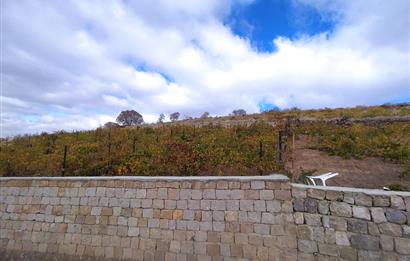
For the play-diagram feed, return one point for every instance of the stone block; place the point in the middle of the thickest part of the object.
(361, 212)
(158, 203)
(334, 195)
(340, 209)
(313, 219)
(342, 239)
(397, 202)
(311, 205)
(219, 204)
(249, 252)
(199, 248)
(369, 255)
(378, 215)
(187, 247)
(304, 232)
(390, 229)
(306, 256)
(381, 201)
(373, 229)
(323, 207)
(231, 216)
(257, 184)
(267, 218)
(188, 215)
(348, 197)
(348, 253)
(357, 226)
(406, 231)
(387, 243)
(362, 199)
(328, 249)
(259, 205)
(396, 216)
(287, 207)
(299, 192)
(218, 226)
(90, 192)
(169, 204)
(246, 205)
(407, 202)
(283, 194)
(307, 246)
(236, 251)
(316, 193)
(299, 219)
(232, 204)
(133, 231)
(299, 204)
(365, 242)
(262, 229)
(279, 230)
(213, 250)
(132, 221)
(402, 245)
(266, 194)
(252, 194)
(96, 211)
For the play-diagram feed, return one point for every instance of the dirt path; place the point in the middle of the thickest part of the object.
(365, 173)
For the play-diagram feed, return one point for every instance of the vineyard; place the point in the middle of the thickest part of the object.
(390, 142)
(214, 148)
(167, 150)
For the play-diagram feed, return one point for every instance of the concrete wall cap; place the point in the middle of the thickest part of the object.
(355, 190)
(273, 177)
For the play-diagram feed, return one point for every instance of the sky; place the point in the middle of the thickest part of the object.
(74, 65)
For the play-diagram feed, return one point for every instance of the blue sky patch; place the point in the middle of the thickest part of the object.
(266, 106)
(264, 20)
(143, 67)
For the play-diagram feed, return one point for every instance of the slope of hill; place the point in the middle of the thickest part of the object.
(245, 145)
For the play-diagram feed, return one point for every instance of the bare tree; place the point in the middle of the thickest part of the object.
(128, 118)
(111, 124)
(174, 116)
(161, 118)
(205, 115)
(238, 112)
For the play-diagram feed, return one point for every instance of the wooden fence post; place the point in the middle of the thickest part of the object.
(280, 146)
(64, 161)
(133, 144)
(260, 150)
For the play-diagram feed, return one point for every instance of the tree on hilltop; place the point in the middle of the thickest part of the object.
(174, 116)
(205, 115)
(128, 118)
(161, 118)
(238, 112)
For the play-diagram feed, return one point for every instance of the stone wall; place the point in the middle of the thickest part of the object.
(211, 218)
(352, 224)
(199, 218)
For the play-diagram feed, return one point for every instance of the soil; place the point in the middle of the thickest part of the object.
(361, 173)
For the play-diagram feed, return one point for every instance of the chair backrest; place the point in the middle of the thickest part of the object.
(308, 181)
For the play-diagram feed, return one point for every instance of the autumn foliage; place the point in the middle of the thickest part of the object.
(166, 150)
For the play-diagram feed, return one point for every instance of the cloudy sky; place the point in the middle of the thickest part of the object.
(76, 64)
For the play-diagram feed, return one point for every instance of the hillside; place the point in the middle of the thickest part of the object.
(368, 146)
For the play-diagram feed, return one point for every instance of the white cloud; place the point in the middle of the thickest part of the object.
(77, 64)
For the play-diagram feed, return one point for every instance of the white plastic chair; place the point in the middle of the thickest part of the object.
(322, 177)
